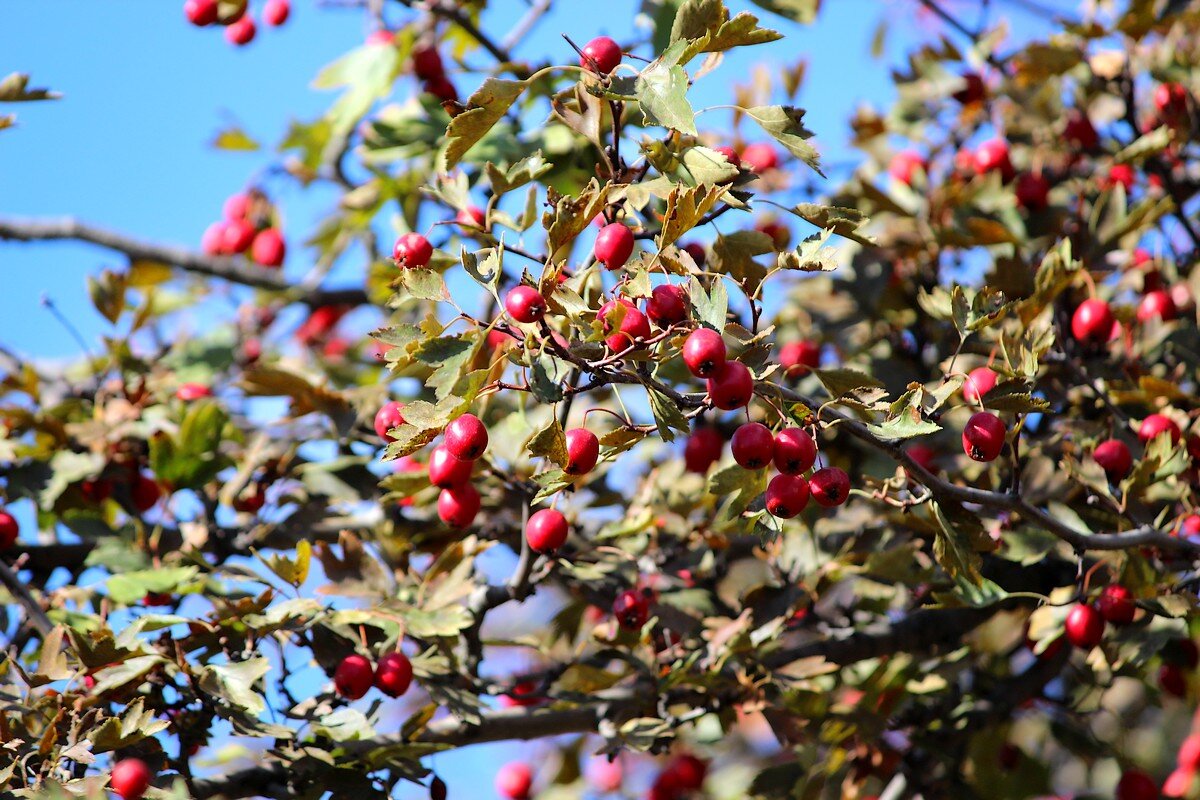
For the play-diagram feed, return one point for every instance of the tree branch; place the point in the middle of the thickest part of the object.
(234, 270)
(33, 609)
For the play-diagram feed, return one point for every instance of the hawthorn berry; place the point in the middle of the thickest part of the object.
(241, 33)
(697, 252)
(9, 529)
(1116, 604)
(471, 217)
(973, 89)
(633, 326)
(1084, 626)
(1171, 100)
(601, 55)
(1136, 785)
(993, 156)
(390, 415)
(144, 493)
(830, 486)
(794, 451)
(1114, 458)
(1189, 753)
(1121, 174)
(1080, 131)
(412, 251)
(979, 382)
(614, 245)
(426, 62)
(353, 676)
(514, 781)
(131, 778)
(458, 505)
(441, 88)
(237, 234)
(393, 674)
(276, 12)
(1032, 190)
(753, 445)
(1092, 321)
(525, 304)
(583, 450)
(924, 455)
(466, 437)
(250, 500)
(760, 157)
(730, 386)
(905, 165)
(96, 490)
(546, 530)
(983, 436)
(1156, 424)
(1156, 304)
(799, 357)
(703, 449)
(200, 12)
(605, 776)
(730, 154)
(1172, 680)
(268, 248)
(667, 305)
(786, 496)
(212, 242)
(446, 471)
(703, 352)
(631, 609)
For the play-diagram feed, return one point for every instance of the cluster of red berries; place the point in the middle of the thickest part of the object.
(428, 67)
(1085, 621)
(355, 675)
(246, 226)
(239, 24)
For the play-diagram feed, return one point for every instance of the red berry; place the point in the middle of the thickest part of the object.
(237, 234)
(241, 33)
(973, 89)
(583, 450)
(442, 89)
(525, 304)
(1092, 321)
(730, 154)
(1136, 785)
(130, 778)
(1179, 782)
(393, 674)
(1181, 652)
(390, 415)
(1172, 680)
(797, 358)
(1156, 424)
(446, 471)
(753, 445)
(1114, 458)
(144, 493)
(381, 38)
(601, 55)
(905, 164)
(466, 438)
(992, 156)
(1084, 627)
(1122, 174)
(200, 12)
(276, 12)
(787, 495)
(353, 677)
(632, 609)
(605, 776)
(9, 530)
(213, 240)
(731, 386)
(983, 437)
(1079, 131)
(1032, 190)
(830, 486)
(1190, 526)
(614, 245)
(514, 780)
(760, 157)
(697, 252)
(633, 326)
(1116, 604)
(703, 352)
(412, 251)
(189, 392)
(979, 382)
(250, 500)
(546, 530)
(1171, 100)
(924, 455)
(1156, 305)
(458, 505)
(667, 305)
(96, 490)
(471, 217)
(1189, 753)
(687, 772)
(157, 599)
(268, 248)
(702, 450)
(426, 61)
(779, 233)
(237, 206)
(794, 451)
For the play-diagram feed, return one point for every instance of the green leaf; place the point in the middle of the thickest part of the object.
(550, 442)
(368, 73)
(525, 171)
(843, 381)
(547, 375)
(685, 208)
(811, 256)
(130, 587)
(15, 89)
(232, 682)
(234, 139)
(487, 106)
(842, 221)
(706, 28)
(953, 547)
(108, 294)
(662, 92)
(712, 307)
(423, 284)
(786, 124)
(667, 415)
(801, 11)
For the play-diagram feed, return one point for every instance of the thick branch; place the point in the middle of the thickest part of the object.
(235, 270)
(33, 610)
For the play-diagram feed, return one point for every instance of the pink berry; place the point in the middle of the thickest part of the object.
(760, 157)
(633, 326)
(1114, 458)
(1156, 305)
(426, 61)
(276, 12)
(1092, 321)
(9, 530)
(1157, 424)
(1116, 604)
(241, 33)
(200, 12)
(703, 449)
(1084, 627)
(905, 165)
(269, 248)
(798, 358)
(992, 156)
(730, 154)
(130, 778)
(237, 236)
(794, 451)
(632, 609)
(979, 382)
(466, 437)
(389, 416)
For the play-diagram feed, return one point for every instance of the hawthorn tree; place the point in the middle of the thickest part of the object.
(913, 495)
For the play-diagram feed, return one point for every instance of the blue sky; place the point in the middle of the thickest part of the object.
(144, 93)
